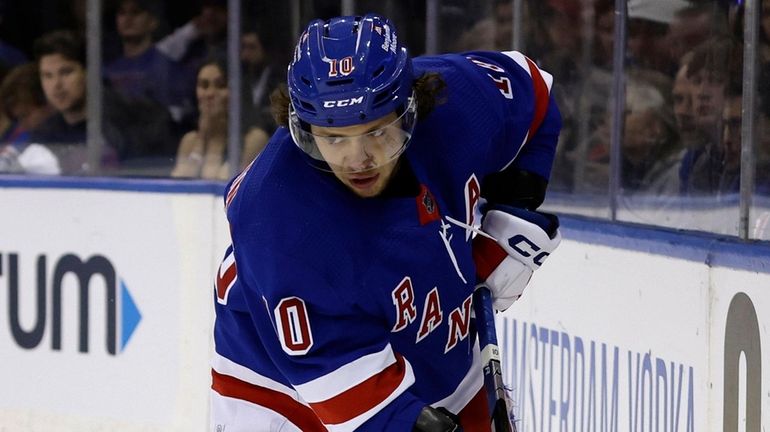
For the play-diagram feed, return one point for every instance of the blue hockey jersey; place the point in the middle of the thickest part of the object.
(344, 313)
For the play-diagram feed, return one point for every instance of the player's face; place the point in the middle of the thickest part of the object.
(63, 81)
(362, 156)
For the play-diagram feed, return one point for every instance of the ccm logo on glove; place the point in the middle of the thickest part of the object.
(516, 241)
(523, 239)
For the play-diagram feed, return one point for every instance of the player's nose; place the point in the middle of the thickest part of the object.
(360, 157)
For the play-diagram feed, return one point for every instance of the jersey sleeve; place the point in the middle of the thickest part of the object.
(250, 387)
(517, 92)
(333, 352)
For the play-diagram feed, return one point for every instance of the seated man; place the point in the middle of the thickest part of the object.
(61, 61)
(129, 129)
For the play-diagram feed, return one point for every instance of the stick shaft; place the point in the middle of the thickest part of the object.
(490, 359)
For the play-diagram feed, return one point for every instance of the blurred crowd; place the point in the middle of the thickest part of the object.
(683, 90)
(165, 96)
(165, 92)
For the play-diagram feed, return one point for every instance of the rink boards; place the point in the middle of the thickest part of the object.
(105, 293)
(156, 244)
(631, 329)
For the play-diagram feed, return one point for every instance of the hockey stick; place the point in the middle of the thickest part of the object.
(490, 358)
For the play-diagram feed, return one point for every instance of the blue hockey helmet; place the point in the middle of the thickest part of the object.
(349, 71)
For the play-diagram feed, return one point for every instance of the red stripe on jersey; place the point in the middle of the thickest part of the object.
(474, 417)
(541, 98)
(487, 255)
(297, 413)
(362, 397)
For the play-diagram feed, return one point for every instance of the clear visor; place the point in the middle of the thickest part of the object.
(355, 148)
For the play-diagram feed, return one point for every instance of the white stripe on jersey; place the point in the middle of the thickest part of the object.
(347, 376)
(524, 63)
(521, 60)
(236, 415)
(225, 366)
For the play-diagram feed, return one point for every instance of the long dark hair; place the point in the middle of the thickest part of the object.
(213, 60)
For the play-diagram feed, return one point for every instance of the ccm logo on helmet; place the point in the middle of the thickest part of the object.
(343, 102)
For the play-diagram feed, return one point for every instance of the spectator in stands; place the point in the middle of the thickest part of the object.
(204, 37)
(61, 61)
(203, 152)
(563, 29)
(648, 26)
(261, 74)
(729, 181)
(604, 36)
(730, 176)
(648, 147)
(25, 107)
(690, 140)
(143, 71)
(129, 130)
(683, 92)
(583, 90)
(713, 64)
(24, 102)
(646, 29)
(691, 27)
(488, 33)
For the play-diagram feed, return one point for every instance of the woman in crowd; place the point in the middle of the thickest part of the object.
(203, 152)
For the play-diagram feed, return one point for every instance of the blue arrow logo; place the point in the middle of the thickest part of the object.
(130, 315)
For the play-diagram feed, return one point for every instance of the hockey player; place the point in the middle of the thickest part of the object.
(344, 302)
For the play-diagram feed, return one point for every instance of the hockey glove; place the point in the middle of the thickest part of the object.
(524, 239)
